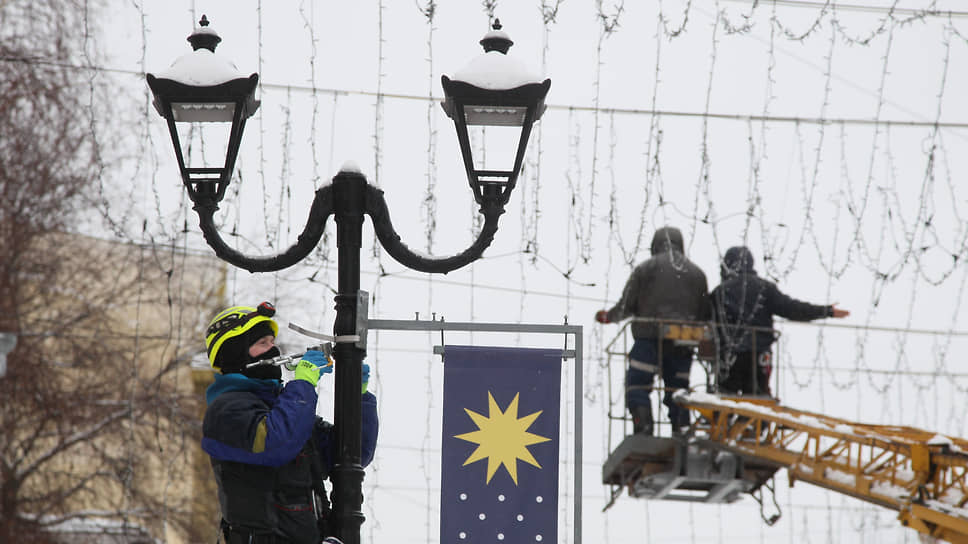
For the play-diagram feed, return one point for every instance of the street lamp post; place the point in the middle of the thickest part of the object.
(492, 91)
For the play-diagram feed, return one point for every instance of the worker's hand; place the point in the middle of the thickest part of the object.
(319, 359)
(601, 316)
(305, 370)
(366, 376)
(837, 312)
(313, 364)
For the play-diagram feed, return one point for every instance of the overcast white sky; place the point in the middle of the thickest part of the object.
(789, 160)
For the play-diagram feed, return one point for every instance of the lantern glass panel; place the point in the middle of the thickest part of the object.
(204, 145)
(504, 116)
(495, 147)
(209, 112)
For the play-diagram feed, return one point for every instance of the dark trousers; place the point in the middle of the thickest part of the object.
(644, 364)
(748, 373)
(241, 535)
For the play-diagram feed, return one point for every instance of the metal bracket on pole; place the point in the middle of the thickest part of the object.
(362, 317)
(362, 298)
(341, 339)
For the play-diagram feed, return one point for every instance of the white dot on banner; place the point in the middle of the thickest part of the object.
(539, 498)
(462, 535)
(520, 517)
(481, 516)
(500, 536)
(463, 496)
(500, 498)
(538, 538)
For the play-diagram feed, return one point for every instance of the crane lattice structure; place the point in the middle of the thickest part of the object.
(919, 474)
(736, 444)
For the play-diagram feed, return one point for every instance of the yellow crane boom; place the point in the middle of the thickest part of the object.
(920, 474)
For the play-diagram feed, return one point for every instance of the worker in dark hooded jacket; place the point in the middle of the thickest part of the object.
(666, 288)
(269, 451)
(743, 307)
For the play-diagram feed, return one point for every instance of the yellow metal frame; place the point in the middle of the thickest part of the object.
(902, 468)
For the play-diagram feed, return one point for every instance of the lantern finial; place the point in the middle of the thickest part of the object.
(496, 39)
(204, 37)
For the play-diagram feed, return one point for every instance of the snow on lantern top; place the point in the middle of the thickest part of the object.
(202, 67)
(203, 87)
(494, 69)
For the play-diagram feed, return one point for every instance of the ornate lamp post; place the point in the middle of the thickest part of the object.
(492, 91)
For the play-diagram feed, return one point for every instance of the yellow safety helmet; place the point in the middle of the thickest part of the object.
(234, 322)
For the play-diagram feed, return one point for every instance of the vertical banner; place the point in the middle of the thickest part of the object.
(499, 466)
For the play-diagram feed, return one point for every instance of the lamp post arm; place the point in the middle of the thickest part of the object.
(376, 208)
(321, 209)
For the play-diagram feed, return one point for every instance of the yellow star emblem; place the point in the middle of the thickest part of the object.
(502, 438)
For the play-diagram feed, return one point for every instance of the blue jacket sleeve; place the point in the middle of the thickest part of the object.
(371, 428)
(243, 427)
(326, 436)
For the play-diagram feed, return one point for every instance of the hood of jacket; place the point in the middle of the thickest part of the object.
(737, 260)
(665, 239)
(226, 383)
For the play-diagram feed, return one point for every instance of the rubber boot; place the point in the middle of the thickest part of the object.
(642, 419)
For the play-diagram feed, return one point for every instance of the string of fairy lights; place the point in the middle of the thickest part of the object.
(878, 229)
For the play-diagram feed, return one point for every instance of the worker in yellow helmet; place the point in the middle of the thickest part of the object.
(241, 335)
(269, 451)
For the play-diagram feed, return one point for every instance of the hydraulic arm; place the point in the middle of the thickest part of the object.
(920, 474)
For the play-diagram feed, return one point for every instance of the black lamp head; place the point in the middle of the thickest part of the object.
(202, 87)
(494, 89)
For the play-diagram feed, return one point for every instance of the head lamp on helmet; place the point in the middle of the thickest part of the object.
(230, 326)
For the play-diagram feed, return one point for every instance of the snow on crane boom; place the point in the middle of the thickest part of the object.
(737, 443)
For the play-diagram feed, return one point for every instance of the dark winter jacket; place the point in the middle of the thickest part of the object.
(268, 449)
(666, 286)
(744, 304)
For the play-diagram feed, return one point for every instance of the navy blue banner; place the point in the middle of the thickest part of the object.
(499, 466)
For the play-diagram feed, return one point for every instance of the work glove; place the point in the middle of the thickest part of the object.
(366, 376)
(601, 316)
(313, 364)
